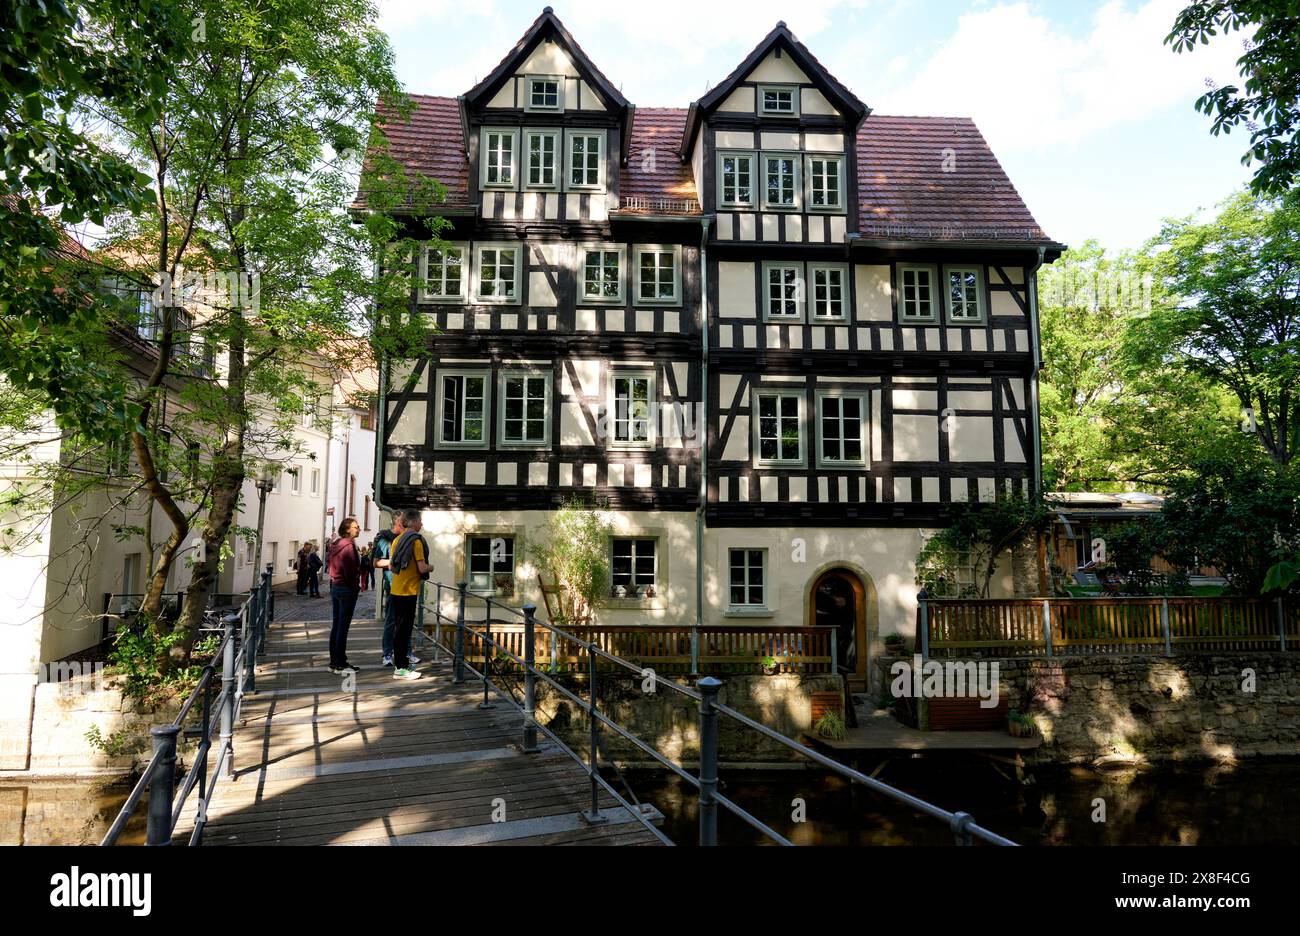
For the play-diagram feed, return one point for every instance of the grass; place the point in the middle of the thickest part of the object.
(1198, 591)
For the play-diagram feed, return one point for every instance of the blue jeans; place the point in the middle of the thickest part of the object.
(344, 601)
(390, 625)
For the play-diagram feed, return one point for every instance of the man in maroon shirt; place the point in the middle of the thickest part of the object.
(344, 566)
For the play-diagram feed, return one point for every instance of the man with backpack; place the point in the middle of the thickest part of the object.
(410, 566)
(383, 550)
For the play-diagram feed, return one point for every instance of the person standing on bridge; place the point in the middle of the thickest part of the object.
(383, 550)
(345, 583)
(409, 562)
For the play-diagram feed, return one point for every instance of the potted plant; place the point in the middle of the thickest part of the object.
(831, 726)
(770, 666)
(895, 645)
(1021, 724)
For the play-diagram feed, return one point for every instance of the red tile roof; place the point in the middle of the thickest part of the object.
(935, 178)
(429, 143)
(654, 181)
(904, 190)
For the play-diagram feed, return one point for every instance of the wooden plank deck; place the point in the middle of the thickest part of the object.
(392, 763)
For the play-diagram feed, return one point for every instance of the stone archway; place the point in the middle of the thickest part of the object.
(844, 597)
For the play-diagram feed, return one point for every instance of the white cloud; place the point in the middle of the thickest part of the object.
(1030, 82)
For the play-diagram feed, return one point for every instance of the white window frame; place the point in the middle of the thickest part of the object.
(635, 539)
(569, 184)
(526, 158)
(583, 250)
(492, 572)
(810, 292)
(440, 402)
(547, 380)
(315, 482)
(295, 479)
(611, 412)
(982, 315)
(752, 156)
(676, 251)
(935, 298)
(520, 260)
(761, 106)
(796, 186)
(759, 394)
(484, 135)
(763, 572)
(800, 292)
(557, 108)
(809, 177)
(425, 295)
(863, 433)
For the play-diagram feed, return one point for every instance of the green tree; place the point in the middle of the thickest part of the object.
(1269, 107)
(979, 535)
(1234, 318)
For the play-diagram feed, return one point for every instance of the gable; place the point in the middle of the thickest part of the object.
(779, 69)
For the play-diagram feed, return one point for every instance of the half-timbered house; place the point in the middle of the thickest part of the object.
(779, 334)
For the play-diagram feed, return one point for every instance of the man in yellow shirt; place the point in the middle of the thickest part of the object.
(410, 565)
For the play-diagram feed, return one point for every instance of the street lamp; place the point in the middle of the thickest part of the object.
(265, 485)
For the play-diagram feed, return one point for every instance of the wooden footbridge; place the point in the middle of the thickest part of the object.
(288, 753)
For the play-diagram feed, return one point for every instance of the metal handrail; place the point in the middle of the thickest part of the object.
(964, 828)
(238, 676)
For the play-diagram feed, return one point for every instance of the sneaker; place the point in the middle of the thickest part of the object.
(337, 670)
(351, 668)
(412, 659)
(407, 674)
(387, 661)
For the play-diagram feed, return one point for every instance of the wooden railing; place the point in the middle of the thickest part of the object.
(1049, 626)
(668, 650)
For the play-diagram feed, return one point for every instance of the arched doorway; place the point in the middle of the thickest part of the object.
(839, 600)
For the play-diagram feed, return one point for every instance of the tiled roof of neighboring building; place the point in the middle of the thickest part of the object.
(919, 178)
(428, 143)
(935, 178)
(655, 181)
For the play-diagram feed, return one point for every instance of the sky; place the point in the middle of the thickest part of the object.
(1088, 111)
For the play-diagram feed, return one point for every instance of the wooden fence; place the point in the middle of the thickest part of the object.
(1061, 626)
(668, 650)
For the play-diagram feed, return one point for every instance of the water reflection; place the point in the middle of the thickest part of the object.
(1245, 804)
(65, 812)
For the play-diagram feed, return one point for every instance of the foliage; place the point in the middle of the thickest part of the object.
(1116, 411)
(978, 534)
(1240, 520)
(1283, 576)
(574, 556)
(114, 745)
(1234, 319)
(1269, 108)
(831, 725)
(138, 656)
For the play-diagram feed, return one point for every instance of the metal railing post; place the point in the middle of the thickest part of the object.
(695, 650)
(1047, 625)
(923, 607)
(250, 640)
(708, 687)
(437, 621)
(835, 655)
(487, 659)
(419, 612)
(530, 681)
(960, 825)
(458, 662)
(1164, 625)
(593, 816)
(270, 592)
(228, 696)
(161, 786)
(1281, 622)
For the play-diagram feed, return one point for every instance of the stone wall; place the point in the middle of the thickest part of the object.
(669, 721)
(63, 713)
(1136, 709)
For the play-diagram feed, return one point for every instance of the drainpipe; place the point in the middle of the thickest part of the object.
(377, 479)
(704, 434)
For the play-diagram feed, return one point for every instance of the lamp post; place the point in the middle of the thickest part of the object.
(265, 485)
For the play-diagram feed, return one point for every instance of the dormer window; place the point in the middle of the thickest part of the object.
(778, 101)
(544, 94)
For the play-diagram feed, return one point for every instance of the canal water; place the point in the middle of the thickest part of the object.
(1252, 803)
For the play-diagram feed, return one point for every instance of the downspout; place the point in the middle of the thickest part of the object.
(1035, 339)
(377, 481)
(704, 429)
